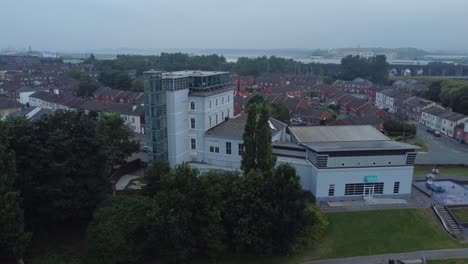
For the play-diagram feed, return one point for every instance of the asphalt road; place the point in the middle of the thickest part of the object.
(442, 150)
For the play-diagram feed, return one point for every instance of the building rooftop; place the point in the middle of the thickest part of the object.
(359, 146)
(188, 73)
(336, 133)
(208, 92)
(234, 128)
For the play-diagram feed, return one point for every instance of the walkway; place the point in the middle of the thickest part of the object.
(417, 200)
(381, 259)
(123, 181)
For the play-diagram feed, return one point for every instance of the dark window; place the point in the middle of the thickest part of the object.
(192, 105)
(228, 148)
(358, 188)
(331, 190)
(396, 187)
(192, 122)
(241, 149)
(216, 149)
(211, 149)
(193, 143)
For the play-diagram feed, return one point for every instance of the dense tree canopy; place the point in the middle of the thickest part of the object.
(450, 93)
(63, 162)
(374, 69)
(204, 216)
(13, 238)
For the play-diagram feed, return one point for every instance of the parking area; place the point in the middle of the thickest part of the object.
(442, 150)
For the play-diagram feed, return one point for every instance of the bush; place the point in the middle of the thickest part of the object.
(116, 233)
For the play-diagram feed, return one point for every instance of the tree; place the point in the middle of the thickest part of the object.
(312, 94)
(373, 68)
(62, 167)
(185, 218)
(116, 234)
(156, 170)
(115, 139)
(256, 99)
(281, 113)
(250, 149)
(138, 86)
(265, 158)
(87, 86)
(257, 139)
(14, 240)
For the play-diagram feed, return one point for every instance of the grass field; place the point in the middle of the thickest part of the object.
(370, 233)
(360, 233)
(448, 261)
(461, 214)
(458, 171)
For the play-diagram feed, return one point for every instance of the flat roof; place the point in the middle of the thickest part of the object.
(208, 92)
(187, 73)
(358, 146)
(234, 128)
(336, 133)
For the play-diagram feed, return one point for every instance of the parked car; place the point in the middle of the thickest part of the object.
(430, 130)
(437, 134)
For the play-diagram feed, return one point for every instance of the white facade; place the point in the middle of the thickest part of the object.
(177, 126)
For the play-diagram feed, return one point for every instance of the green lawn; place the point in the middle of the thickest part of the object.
(461, 214)
(458, 171)
(448, 261)
(356, 234)
(370, 233)
(422, 145)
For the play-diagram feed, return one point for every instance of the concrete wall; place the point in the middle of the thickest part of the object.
(340, 177)
(222, 159)
(366, 161)
(177, 126)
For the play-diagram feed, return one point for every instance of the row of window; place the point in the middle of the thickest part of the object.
(215, 149)
(360, 188)
(217, 121)
(192, 104)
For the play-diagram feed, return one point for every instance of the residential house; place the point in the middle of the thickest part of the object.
(461, 132)
(106, 94)
(413, 107)
(442, 120)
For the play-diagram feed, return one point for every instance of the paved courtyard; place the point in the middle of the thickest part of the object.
(455, 193)
(443, 150)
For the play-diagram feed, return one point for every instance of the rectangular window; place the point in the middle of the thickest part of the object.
(216, 101)
(210, 103)
(358, 188)
(241, 149)
(193, 143)
(228, 148)
(222, 116)
(210, 121)
(216, 149)
(331, 190)
(192, 122)
(228, 113)
(216, 118)
(396, 187)
(222, 100)
(228, 98)
(211, 149)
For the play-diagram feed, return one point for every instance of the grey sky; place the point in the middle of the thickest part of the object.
(90, 24)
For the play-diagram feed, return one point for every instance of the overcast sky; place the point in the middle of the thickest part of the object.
(79, 25)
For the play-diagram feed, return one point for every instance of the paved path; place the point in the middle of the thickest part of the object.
(123, 181)
(443, 150)
(418, 200)
(380, 259)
